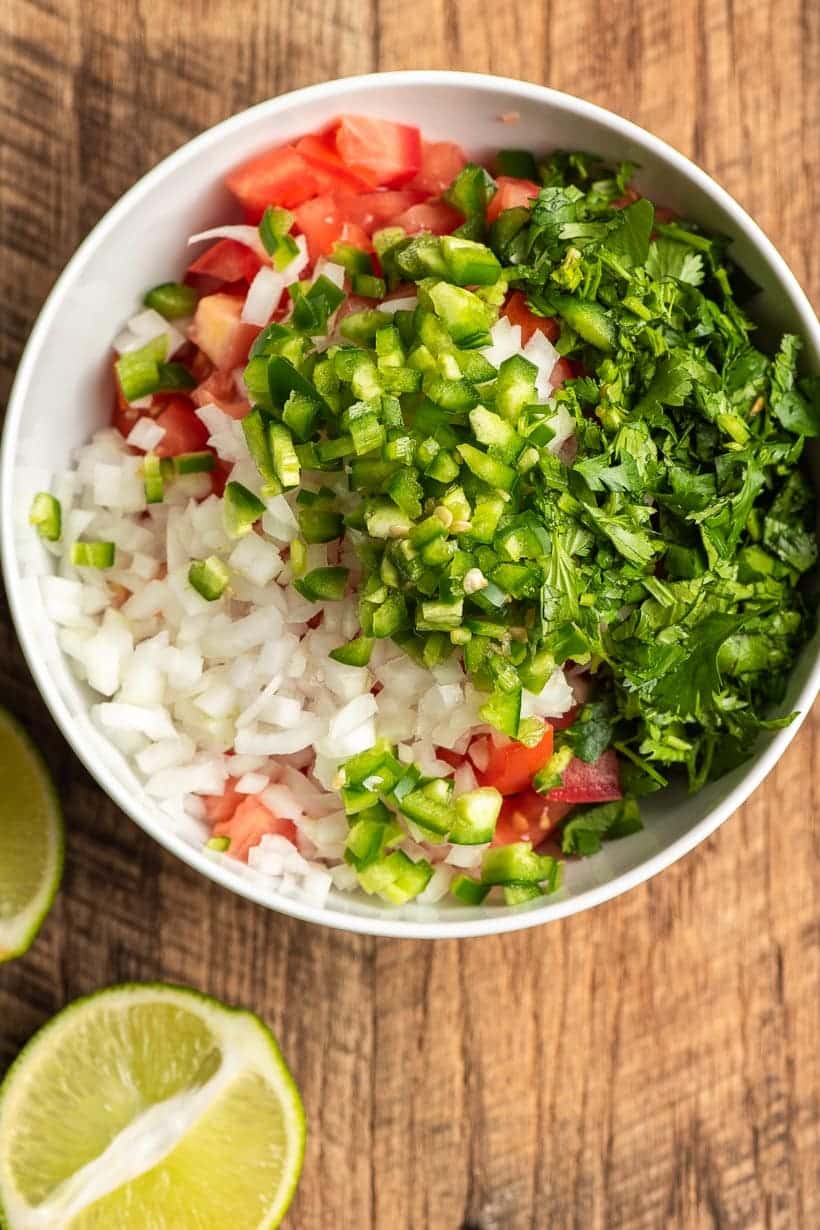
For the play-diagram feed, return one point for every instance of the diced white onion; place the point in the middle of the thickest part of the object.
(251, 783)
(263, 297)
(145, 434)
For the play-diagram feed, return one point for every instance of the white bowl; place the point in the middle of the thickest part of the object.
(62, 394)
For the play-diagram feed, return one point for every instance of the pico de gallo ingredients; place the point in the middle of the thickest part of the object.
(448, 510)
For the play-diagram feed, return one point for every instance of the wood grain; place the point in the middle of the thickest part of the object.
(650, 1064)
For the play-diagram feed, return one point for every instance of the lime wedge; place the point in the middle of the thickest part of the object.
(148, 1105)
(31, 839)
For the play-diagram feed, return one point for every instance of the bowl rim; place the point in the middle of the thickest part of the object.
(384, 924)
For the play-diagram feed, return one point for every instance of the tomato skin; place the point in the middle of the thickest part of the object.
(373, 210)
(277, 177)
(321, 221)
(220, 807)
(328, 169)
(248, 825)
(226, 261)
(598, 782)
(565, 369)
(454, 759)
(379, 150)
(219, 476)
(184, 432)
(437, 217)
(517, 313)
(528, 817)
(510, 194)
(219, 389)
(512, 766)
(441, 162)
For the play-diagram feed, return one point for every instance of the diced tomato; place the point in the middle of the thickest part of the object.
(220, 389)
(517, 312)
(598, 782)
(277, 177)
(565, 369)
(628, 198)
(373, 210)
(379, 150)
(437, 217)
(249, 824)
(561, 723)
(321, 221)
(512, 766)
(220, 807)
(218, 330)
(330, 173)
(441, 161)
(354, 234)
(511, 193)
(225, 261)
(219, 476)
(184, 432)
(201, 366)
(454, 759)
(528, 817)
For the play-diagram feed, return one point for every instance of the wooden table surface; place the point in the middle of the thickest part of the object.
(652, 1063)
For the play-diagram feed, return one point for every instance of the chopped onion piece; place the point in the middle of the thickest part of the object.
(263, 297)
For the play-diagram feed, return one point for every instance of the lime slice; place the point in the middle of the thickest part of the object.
(31, 840)
(148, 1105)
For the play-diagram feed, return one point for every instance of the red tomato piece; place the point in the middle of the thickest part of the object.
(441, 162)
(220, 389)
(219, 330)
(437, 217)
(330, 173)
(517, 312)
(628, 198)
(354, 234)
(528, 817)
(561, 723)
(598, 782)
(512, 766)
(249, 824)
(455, 759)
(565, 369)
(226, 261)
(277, 177)
(219, 476)
(184, 432)
(379, 150)
(511, 193)
(220, 807)
(373, 210)
(322, 222)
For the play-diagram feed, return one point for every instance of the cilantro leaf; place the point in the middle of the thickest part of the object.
(688, 689)
(629, 242)
(794, 411)
(667, 259)
(584, 833)
(591, 733)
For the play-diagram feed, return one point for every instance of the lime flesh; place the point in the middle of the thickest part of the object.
(31, 840)
(149, 1107)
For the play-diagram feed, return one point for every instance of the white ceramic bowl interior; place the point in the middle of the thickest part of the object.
(62, 393)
